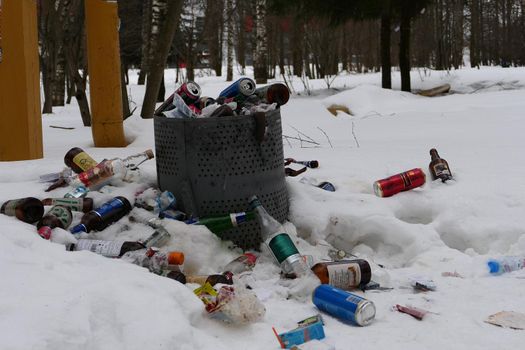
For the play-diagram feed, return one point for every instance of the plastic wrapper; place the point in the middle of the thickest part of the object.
(231, 304)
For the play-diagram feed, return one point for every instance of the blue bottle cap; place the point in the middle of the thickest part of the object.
(493, 266)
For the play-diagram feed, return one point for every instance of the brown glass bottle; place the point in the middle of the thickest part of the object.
(438, 167)
(76, 204)
(274, 93)
(224, 278)
(175, 275)
(100, 218)
(78, 160)
(343, 274)
(111, 249)
(27, 209)
(57, 216)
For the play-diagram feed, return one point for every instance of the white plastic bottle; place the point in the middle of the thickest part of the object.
(506, 264)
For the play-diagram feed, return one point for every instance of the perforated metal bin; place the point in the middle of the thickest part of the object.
(214, 165)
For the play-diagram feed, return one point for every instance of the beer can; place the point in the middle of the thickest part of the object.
(344, 305)
(190, 92)
(243, 86)
(401, 182)
(204, 102)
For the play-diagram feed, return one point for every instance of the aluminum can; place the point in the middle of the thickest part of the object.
(401, 182)
(204, 102)
(243, 86)
(190, 92)
(344, 305)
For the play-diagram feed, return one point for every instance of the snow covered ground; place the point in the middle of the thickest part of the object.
(54, 299)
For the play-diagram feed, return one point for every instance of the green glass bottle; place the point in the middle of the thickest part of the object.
(278, 241)
(219, 224)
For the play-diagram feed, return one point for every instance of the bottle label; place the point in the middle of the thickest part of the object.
(441, 169)
(84, 161)
(72, 203)
(238, 218)
(10, 207)
(63, 214)
(109, 249)
(344, 276)
(96, 175)
(78, 192)
(281, 246)
(113, 205)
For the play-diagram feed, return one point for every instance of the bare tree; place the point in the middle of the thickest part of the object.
(261, 46)
(229, 40)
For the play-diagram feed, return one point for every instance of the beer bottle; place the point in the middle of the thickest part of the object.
(438, 167)
(224, 278)
(105, 171)
(78, 160)
(76, 204)
(219, 224)
(307, 163)
(57, 216)
(110, 249)
(343, 274)
(27, 209)
(274, 93)
(100, 218)
(77, 192)
(174, 275)
(278, 242)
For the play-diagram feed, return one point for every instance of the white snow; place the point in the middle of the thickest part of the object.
(54, 299)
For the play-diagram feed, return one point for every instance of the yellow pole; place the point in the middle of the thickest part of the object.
(104, 73)
(20, 118)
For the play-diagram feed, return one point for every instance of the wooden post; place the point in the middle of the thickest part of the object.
(104, 73)
(20, 118)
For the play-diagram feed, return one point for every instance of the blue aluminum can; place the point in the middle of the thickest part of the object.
(344, 305)
(243, 86)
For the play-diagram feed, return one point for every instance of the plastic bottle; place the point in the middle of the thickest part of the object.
(27, 209)
(76, 204)
(241, 264)
(103, 216)
(506, 264)
(278, 241)
(155, 260)
(57, 216)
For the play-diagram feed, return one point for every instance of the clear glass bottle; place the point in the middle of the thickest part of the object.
(278, 242)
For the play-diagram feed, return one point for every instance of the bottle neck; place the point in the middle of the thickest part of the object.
(434, 154)
(135, 160)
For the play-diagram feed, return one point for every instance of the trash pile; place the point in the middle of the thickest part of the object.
(226, 295)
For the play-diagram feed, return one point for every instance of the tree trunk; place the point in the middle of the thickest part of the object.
(229, 40)
(241, 36)
(213, 30)
(386, 65)
(59, 78)
(404, 52)
(158, 63)
(261, 47)
(146, 32)
(125, 101)
(297, 47)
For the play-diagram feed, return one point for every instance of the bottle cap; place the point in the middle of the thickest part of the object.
(175, 258)
(493, 266)
(45, 232)
(150, 154)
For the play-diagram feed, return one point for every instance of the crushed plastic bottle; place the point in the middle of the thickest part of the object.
(506, 264)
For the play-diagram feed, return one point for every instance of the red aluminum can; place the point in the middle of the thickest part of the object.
(401, 182)
(190, 92)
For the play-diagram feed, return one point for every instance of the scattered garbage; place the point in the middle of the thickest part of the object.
(27, 209)
(57, 216)
(100, 218)
(343, 274)
(401, 182)
(507, 319)
(438, 167)
(422, 284)
(506, 264)
(324, 185)
(307, 329)
(344, 305)
(412, 311)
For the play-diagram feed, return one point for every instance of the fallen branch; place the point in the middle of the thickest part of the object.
(300, 139)
(61, 127)
(308, 137)
(353, 133)
(326, 137)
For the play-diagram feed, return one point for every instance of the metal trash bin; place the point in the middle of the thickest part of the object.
(214, 165)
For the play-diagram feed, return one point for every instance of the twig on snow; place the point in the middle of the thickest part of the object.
(353, 133)
(326, 137)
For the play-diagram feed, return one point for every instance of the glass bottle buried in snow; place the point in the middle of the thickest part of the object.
(278, 242)
(219, 224)
(76, 204)
(104, 216)
(438, 167)
(224, 278)
(105, 171)
(110, 249)
(78, 160)
(58, 216)
(344, 274)
(27, 209)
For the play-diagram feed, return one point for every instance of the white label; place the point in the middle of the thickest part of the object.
(110, 249)
(344, 276)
